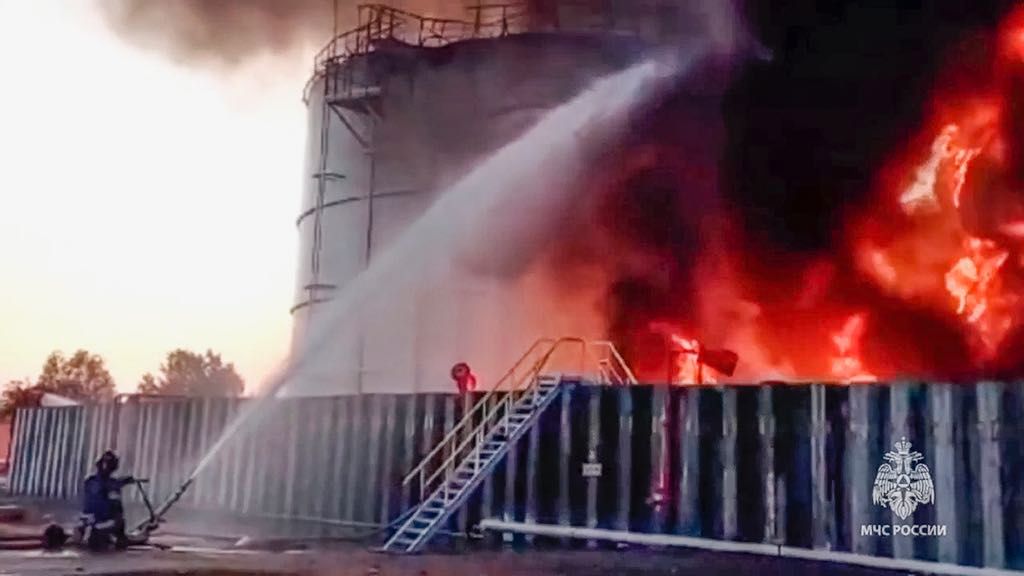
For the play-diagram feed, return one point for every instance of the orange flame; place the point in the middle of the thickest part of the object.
(974, 284)
(846, 364)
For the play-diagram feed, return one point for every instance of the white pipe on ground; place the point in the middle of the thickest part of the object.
(920, 566)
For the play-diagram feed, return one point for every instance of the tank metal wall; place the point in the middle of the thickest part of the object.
(440, 111)
(790, 465)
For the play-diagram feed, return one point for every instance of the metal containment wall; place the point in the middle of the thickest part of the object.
(797, 465)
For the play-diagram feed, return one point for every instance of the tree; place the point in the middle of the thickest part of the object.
(84, 376)
(186, 373)
(18, 394)
(148, 384)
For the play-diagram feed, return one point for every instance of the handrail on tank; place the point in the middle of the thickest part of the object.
(379, 22)
(501, 399)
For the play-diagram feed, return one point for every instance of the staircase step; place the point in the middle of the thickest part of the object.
(475, 465)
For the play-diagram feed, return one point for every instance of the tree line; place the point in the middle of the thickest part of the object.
(84, 377)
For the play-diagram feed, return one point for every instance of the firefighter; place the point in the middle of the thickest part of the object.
(103, 508)
(464, 378)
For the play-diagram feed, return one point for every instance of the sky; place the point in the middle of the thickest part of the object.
(144, 205)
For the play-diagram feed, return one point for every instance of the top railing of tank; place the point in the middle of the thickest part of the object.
(378, 22)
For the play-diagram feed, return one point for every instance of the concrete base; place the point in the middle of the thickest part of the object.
(741, 548)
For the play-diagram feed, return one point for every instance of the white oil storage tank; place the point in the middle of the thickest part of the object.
(399, 108)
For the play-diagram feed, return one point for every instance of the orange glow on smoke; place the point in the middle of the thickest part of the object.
(941, 247)
(1012, 36)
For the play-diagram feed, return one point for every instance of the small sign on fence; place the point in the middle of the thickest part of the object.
(591, 469)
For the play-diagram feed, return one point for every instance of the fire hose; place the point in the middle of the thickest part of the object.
(156, 516)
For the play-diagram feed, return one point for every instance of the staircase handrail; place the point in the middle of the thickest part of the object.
(492, 417)
(463, 423)
(612, 369)
(475, 437)
(615, 359)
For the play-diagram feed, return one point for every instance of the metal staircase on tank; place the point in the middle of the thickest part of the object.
(471, 451)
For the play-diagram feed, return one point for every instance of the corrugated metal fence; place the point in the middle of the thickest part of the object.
(778, 464)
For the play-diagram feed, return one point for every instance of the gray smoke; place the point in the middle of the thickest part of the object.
(230, 32)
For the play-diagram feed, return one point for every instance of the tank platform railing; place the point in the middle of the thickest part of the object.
(378, 23)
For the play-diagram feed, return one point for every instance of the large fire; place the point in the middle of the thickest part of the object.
(961, 211)
(940, 246)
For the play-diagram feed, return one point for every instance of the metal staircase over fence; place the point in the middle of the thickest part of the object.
(472, 450)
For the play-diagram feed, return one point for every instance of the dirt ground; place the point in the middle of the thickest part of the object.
(203, 546)
(187, 560)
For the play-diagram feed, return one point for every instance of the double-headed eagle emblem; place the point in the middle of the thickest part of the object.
(901, 486)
